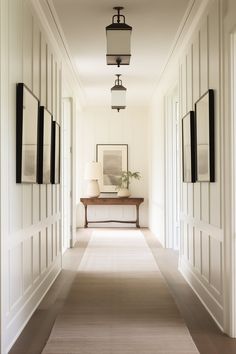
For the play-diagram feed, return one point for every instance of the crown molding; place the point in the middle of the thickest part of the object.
(47, 16)
(189, 23)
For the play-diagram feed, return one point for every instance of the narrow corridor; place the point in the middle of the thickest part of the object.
(112, 298)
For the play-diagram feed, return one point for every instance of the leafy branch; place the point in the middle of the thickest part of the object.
(126, 177)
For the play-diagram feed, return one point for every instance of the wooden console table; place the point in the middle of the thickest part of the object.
(112, 201)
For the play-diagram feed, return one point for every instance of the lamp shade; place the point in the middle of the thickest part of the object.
(118, 40)
(93, 171)
(118, 95)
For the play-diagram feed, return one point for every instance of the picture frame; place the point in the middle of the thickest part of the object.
(113, 159)
(27, 111)
(45, 146)
(205, 140)
(188, 148)
(55, 153)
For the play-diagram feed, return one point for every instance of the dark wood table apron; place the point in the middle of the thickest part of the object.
(112, 201)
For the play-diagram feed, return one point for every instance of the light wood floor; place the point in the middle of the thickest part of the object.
(205, 333)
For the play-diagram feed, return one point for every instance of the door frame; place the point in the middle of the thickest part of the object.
(69, 101)
(172, 165)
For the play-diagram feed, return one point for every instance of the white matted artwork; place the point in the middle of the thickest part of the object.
(113, 159)
(55, 153)
(204, 109)
(26, 135)
(45, 137)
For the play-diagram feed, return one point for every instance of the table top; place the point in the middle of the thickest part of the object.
(112, 201)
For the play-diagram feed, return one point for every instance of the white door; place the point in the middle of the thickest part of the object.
(172, 171)
(177, 176)
(66, 174)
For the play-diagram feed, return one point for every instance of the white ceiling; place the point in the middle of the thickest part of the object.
(155, 25)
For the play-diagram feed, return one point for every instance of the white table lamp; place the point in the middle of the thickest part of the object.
(93, 173)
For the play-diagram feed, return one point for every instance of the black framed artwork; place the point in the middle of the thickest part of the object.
(45, 137)
(205, 141)
(113, 159)
(27, 110)
(55, 154)
(188, 148)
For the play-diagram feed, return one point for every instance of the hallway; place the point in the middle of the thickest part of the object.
(175, 130)
(118, 302)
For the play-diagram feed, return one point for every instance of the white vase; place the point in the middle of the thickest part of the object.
(123, 192)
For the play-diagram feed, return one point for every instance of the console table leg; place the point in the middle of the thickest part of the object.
(137, 216)
(86, 219)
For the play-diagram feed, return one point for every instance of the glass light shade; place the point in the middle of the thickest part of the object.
(93, 171)
(118, 99)
(118, 44)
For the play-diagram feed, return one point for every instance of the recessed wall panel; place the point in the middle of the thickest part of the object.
(43, 250)
(197, 249)
(27, 263)
(16, 274)
(216, 264)
(36, 256)
(205, 242)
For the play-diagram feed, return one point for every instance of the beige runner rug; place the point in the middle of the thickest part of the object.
(119, 303)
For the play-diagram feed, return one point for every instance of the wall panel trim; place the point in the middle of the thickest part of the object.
(213, 231)
(27, 306)
(22, 235)
(214, 307)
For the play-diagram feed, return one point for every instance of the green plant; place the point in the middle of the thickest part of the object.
(126, 177)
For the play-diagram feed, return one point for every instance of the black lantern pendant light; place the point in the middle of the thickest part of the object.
(118, 95)
(118, 40)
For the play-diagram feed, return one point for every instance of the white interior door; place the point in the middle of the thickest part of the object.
(66, 174)
(177, 176)
(172, 171)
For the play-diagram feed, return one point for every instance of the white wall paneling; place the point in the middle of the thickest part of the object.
(31, 52)
(232, 244)
(229, 160)
(30, 233)
(205, 249)
(233, 181)
(201, 202)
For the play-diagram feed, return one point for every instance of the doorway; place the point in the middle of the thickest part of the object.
(172, 170)
(66, 173)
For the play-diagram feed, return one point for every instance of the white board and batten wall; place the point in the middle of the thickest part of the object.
(201, 258)
(31, 213)
(205, 249)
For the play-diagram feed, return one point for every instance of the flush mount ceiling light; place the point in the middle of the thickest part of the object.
(118, 95)
(118, 40)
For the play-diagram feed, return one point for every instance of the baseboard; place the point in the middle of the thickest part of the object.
(17, 324)
(214, 308)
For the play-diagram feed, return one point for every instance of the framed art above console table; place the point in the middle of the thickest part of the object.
(113, 159)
